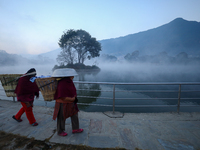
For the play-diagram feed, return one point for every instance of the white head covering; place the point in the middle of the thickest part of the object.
(64, 72)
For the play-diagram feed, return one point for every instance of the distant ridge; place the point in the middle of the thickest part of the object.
(7, 59)
(174, 37)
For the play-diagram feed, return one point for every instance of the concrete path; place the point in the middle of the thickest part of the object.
(152, 131)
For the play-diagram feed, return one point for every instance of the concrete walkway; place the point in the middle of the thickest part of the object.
(152, 131)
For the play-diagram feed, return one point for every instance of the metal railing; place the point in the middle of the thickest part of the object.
(179, 92)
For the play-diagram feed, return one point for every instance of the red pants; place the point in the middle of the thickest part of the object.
(28, 111)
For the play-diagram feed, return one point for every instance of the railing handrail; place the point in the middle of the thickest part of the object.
(179, 91)
(140, 83)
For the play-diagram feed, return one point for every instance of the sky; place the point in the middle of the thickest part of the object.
(35, 26)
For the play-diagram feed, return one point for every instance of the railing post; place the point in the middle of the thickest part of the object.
(179, 98)
(13, 99)
(113, 98)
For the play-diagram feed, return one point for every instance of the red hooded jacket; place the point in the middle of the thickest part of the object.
(26, 90)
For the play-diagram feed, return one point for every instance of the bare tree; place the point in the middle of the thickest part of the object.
(67, 56)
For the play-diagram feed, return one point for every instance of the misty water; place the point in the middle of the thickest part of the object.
(127, 73)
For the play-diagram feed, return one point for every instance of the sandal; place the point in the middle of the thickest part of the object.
(34, 124)
(63, 134)
(20, 120)
(77, 131)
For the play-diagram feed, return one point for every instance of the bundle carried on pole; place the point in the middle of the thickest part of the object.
(47, 87)
(9, 83)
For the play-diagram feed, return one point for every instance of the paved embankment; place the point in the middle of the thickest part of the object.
(153, 131)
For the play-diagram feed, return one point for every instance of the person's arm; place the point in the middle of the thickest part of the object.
(69, 99)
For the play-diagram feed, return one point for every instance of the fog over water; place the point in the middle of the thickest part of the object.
(22, 69)
(127, 72)
(146, 73)
(121, 72)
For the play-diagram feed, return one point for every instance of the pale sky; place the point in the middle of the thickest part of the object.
(35, 26)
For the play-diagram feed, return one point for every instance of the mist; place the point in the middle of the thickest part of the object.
(122, 71)
(45, 69)
(117, 71)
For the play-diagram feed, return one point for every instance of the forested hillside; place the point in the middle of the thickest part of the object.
(173, 38)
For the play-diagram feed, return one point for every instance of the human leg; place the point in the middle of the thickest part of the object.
(61, 122)
(17, 117)
(29, 113)
(75, 124)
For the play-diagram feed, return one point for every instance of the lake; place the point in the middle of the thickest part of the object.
(130, 73)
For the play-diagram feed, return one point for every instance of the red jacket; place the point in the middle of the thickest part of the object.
(26, 90)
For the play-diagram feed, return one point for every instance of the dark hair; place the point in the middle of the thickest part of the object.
(32, 70)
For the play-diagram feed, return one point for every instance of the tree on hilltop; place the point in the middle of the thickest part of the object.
(77, 45)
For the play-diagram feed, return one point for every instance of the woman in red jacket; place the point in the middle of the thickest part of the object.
(26, 91)
(65, 105)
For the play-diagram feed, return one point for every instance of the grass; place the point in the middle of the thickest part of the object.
(11, 141)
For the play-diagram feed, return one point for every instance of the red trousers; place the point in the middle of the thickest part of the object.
(29, 113)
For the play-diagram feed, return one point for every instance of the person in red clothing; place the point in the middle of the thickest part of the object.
(26, 91)
(66, 104)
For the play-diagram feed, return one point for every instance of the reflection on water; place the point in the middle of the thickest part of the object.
(148, 98)
(103, 94)
(91, 90)
(88, 91)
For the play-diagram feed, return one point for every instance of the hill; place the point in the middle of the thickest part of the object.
(11, 59)
(174, 37)
(7, 59)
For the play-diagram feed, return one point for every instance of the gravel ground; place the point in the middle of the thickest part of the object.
(10, 141)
